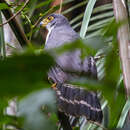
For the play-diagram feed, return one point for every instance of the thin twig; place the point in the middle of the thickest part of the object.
(16, 13)
(15, 26)
(61, 3)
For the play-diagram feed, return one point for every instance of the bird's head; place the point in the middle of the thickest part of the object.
(54, 20)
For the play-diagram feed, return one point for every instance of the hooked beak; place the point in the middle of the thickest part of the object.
(41, 23)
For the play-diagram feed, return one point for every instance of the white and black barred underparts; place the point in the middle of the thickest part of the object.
(78, 102)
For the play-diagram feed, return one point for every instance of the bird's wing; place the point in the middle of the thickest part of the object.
(68, 61)
(71, 61)
(71, 100)
(89, 67)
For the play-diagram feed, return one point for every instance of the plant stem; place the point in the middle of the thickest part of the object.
(2, 42)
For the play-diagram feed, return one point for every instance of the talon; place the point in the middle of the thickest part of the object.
(54, 86)
(51, 81)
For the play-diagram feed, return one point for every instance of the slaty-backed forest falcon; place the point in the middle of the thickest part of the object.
(71, 100)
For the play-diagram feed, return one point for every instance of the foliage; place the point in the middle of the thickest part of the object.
(24, 74)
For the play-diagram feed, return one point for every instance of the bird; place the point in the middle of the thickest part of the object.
(71, 100)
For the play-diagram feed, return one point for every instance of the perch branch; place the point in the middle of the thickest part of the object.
(15, 26)
(15, 14)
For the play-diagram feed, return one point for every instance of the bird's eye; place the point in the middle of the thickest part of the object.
(50, 18)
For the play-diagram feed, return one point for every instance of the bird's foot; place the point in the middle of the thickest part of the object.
(54, 86)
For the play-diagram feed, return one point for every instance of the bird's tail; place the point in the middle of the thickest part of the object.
(78, 102)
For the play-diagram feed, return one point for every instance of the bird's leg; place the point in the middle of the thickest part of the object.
(52, 82)
(54, 86)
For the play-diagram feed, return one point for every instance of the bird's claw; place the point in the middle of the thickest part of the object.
(54, 86)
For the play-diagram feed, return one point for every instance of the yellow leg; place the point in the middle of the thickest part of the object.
(54, 86)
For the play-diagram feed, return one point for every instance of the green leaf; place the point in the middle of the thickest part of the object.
(124, 114)
(31, 109)
(116, 104)
(3, 6)
(86, 48)
(42, 4)
(86, 18)
(114, 92)
(32, 5)
(80, 4)
(96, 43)
(23, 73)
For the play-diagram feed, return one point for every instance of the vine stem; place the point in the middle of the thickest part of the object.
(61, 2)
(26, 2)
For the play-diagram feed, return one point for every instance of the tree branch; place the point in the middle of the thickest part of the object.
(15, 14)
(121, 14)
(12, 21)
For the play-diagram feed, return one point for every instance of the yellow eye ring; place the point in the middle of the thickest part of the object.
(46, 21)
(50, 18)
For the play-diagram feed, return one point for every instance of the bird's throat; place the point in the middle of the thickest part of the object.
(49, 32)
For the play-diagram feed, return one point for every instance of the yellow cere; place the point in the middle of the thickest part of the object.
(47, 20)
